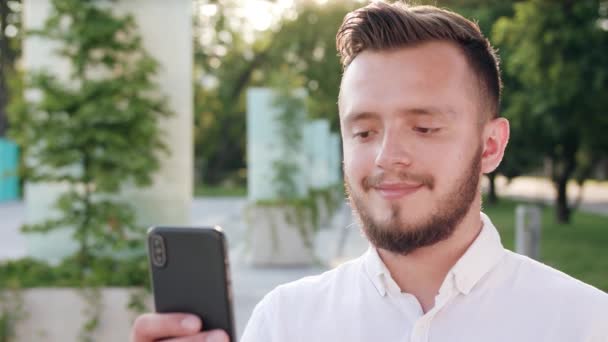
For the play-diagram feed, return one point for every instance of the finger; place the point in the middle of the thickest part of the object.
(208, 336)
(153, 326)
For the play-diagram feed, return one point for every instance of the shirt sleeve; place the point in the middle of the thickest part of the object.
(257, 329)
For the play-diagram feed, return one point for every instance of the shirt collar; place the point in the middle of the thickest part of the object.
(376, 270)
(483, 254)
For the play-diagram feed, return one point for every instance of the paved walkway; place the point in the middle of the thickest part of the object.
(595, 195)
(335, 244)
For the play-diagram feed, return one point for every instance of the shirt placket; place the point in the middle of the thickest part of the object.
(422, 327)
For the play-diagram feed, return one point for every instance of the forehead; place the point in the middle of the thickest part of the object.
(428, 75)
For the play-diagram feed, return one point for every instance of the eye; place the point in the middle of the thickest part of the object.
(425, 130)
(362, 135)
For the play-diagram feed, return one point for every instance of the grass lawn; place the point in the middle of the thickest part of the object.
(220, 191)
(579, 249)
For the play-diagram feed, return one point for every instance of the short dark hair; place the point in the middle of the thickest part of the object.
(382, 26)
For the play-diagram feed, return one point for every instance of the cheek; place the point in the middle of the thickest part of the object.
(441, 161)
(449, 169)
(358, 163)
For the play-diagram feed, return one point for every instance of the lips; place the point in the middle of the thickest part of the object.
(392, 191)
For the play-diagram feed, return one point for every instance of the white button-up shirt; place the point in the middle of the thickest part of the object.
(490, 295)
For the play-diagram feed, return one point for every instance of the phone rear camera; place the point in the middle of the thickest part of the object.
(158, 251)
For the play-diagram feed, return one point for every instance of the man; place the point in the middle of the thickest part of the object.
(419, 105)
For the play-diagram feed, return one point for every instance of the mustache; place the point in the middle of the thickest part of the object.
(402, 176)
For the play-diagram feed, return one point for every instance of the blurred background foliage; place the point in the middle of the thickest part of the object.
(554, 60)
(10, 50)
(231, 57)
(98, 137)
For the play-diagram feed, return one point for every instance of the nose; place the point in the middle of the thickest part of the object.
(394, 151)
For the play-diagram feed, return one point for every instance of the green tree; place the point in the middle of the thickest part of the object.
(95, 132)
(10, 50)
(224, 64)
(306, 45)
(227, 63)
(558, 53)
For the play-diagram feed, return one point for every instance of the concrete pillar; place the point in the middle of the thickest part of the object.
(166, 29)
(318, 150)
(276, 233)
(527, 230)
(335, 160)
(264, 147)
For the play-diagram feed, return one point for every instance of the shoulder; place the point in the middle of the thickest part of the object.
(530, 291)
(546, 283)
(289, 307)
(317, 287)
(310, 293)
(528, 270)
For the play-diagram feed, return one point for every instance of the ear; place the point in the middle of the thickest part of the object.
(495, 139)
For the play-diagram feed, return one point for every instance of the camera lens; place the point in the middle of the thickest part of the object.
(157, 251)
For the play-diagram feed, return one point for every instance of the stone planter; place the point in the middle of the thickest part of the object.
(327, 202)
(279, 235)
(59, 314)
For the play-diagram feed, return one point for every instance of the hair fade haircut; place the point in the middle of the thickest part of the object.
(381, 26)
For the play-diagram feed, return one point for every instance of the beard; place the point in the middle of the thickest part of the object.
(402, 238)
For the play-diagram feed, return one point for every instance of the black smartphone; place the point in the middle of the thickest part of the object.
(190, 273)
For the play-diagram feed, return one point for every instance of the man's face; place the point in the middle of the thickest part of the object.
(411, 128)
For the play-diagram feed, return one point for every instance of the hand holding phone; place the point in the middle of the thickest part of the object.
(152, 327)
(190, 274)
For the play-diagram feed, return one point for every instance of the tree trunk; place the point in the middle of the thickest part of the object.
(492, 197)
(561, 174)
(562, 209)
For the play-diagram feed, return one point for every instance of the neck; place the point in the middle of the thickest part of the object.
(422, 271)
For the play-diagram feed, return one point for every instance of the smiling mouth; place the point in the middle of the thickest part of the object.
(396, 191)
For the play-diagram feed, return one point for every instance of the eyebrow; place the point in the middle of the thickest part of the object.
(422, 111)
(352, 118)
(431, 111)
